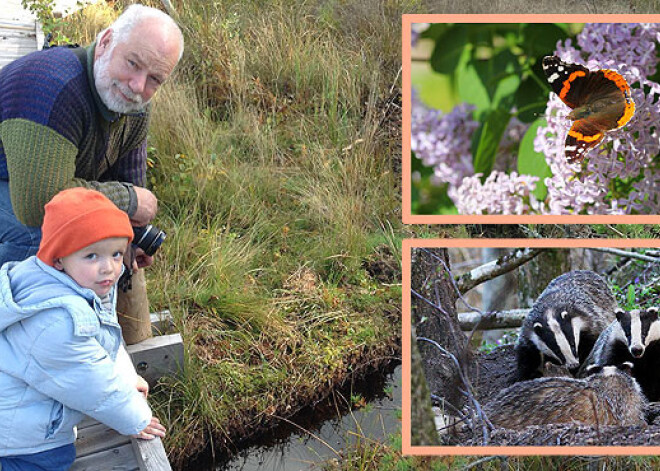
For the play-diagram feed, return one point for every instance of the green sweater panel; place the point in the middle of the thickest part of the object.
(41, 163)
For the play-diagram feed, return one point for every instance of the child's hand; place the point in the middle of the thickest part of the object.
(142, 386)
(153, 430)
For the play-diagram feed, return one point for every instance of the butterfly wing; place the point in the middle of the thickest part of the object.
(601, 101)
(568, 81)
(582, 137)
(610, 98)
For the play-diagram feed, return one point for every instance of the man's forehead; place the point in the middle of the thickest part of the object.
(149, 56)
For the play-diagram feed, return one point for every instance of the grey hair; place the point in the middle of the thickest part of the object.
(135, 14)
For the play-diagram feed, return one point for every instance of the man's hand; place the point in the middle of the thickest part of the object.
(142, 259)
(147, 207)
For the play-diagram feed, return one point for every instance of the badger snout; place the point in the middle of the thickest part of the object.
(637, 350)
(573, 367)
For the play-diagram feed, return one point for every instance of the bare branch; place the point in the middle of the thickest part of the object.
(496, 268)
(492, 320)
(627, 254)
(485, 423)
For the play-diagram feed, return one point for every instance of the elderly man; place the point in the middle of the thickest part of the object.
(78, 117)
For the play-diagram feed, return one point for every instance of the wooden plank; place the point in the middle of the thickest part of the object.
(9, 34)
(151, 454)
(122, 458)
(97, 438)
(16, 26)
(18, 49)
(87, 422)
(162, 322)
(157, 356)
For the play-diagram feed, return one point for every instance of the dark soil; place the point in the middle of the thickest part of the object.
(494, 372)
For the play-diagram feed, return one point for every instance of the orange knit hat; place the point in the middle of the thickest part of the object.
(76, 218)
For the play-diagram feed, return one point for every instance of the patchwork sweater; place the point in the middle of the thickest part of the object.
(56, 133)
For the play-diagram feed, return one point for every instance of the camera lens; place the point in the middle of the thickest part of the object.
(148, 238)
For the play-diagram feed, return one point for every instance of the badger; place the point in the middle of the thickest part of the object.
(609, 397)
(633, 337)
(564, 323)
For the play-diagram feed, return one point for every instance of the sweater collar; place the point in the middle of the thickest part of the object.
(108, 114)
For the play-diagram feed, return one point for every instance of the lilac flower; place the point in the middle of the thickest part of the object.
(501, 193)
(442, 141)
(416, 30)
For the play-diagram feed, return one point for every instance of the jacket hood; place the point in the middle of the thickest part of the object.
(30, 287)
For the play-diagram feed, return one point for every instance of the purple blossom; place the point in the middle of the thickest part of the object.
(626, 154)
(416, 30)
(414, 36)
(442, 141)
(501, 193)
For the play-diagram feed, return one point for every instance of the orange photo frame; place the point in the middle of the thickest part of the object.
(407, 448)
(407, 216)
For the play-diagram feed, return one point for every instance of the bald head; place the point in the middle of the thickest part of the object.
(139, 17)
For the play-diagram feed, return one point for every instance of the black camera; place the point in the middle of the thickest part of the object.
(148, 238)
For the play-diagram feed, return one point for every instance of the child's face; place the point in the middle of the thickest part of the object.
(96, 266)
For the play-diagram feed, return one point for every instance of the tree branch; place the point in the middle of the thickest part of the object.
(624, 253)
(492, 320)
(496, 268)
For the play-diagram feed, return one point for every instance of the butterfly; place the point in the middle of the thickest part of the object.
(600, 101)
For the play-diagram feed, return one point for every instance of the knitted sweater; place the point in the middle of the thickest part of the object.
(56, 133)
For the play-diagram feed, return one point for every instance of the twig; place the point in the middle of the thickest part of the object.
(311, 434)
(480, 461)
(456, 410)
(468, 392)
(496, 268)
(624, 253)
(458, 293)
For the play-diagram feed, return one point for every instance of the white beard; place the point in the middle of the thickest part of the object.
(109, 88)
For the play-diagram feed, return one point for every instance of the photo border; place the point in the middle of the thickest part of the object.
(407, 216)
(445, 450)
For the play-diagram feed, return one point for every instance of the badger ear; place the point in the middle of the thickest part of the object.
(538, 327)
(619, 313)
(564, 314)
(653, 310)
(593, 369)
(626, 367)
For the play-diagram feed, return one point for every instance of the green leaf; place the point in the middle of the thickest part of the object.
(435, 30)
(426, 196)
(470, 87)
(449, 48)
(540, 39)
(534, 163)
(489, 141)
(630, 297)
(506, 79)
(489, 83)
(532, 95)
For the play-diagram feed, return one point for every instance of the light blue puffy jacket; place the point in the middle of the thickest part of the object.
(57, 353)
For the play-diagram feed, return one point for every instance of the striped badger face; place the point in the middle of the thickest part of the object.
(640, 328)
(558, 337)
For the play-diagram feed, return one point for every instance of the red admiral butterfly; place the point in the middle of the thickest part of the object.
(600, 102)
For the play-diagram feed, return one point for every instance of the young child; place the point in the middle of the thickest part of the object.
(59, 337)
